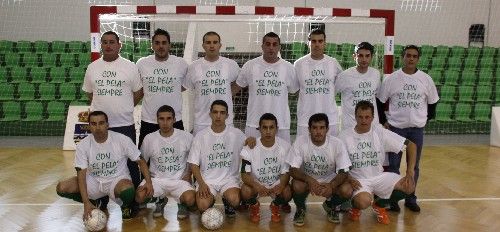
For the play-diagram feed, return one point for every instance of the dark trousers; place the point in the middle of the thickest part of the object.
(147, 128)
(416, 135)
(133, 168)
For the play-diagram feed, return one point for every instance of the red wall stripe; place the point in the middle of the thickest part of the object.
(303, 11)
(225, 10)
(146, 9)
(342, 12)
(263, 10)
(185, 9)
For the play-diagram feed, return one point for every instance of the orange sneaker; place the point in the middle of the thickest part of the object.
(275, 213)
(382, 216)
(255, 212)
(354, 214)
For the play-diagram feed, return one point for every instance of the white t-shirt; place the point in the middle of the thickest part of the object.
(211, 81)
(321, 163)
(162, 81)
(367, 150)
(267, 163)
(408, 97)
(108, 160)
(167, 155)
(317, 88)
(268, 88)
(354, 87)
(112, 85)
(217, 154)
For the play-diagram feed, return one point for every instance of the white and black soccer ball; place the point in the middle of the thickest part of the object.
(97, 220)
(212, 218)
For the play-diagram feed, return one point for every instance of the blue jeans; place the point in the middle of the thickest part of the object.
(133, 168)
(416, 135)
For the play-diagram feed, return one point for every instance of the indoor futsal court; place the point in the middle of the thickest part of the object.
(46, 47)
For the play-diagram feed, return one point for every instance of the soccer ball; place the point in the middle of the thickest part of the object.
(97, 220)
(212, 218)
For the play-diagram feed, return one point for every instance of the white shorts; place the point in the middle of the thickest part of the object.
(222, 187)
(381, 185)
(169, 188)
(333, 130)
(97, 189)
(254, 132)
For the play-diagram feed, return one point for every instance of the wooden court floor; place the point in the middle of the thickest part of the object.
(459, 190)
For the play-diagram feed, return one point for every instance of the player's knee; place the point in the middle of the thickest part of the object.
(345, 190)
(189, 198)
(246, 192)
(362, 201)
(204, 204)
(299, 186)
(287, 193)
(233, 198)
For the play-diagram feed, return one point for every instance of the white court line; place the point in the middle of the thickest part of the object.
(308, 203)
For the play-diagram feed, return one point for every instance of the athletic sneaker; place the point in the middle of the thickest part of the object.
(333, 214)
(228, 209)
(182, 211)
(354, 214)
(127, 213)
(382, 216)
(243, 207)
(160, 207)
(275, 212)
(298, 218)
(394, 206)
(254, 212)
(326, 206)
(286, 208)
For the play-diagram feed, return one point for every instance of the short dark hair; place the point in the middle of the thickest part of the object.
(111, 33)
(160, 31)
(411, 46)
(268, 116)
(220, 103)
(316, 31)
(271, 35)
(364, 45)
(165, 108)
(210, 33)
(97, 113)
(364, 105)
(319, 117)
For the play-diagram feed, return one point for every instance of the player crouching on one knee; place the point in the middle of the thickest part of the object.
(375, 140)
(101, 164)
(319, 165)
(167, 150)
(264, 170)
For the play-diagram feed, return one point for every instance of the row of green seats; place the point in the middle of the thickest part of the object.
(33, 111)
(469, 94)
(484, 77)
(42, 74)
(44, 59)
(44, 91)
(463, 112)
(45, 46)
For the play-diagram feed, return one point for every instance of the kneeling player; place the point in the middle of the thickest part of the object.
(264, 171)
(167, 150)
(366, 145)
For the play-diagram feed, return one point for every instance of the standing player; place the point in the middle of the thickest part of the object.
(319, 164)
(269, 79)
(366, 145)
(316, 73)
(211, 78)
(100, 162)
(167, 150)
(358, 83)
(215, 161)
(412, 98)
(162, 76)
(264, 170)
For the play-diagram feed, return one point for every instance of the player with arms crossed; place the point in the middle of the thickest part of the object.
(264, 170)
(167, 150)
(366, 145)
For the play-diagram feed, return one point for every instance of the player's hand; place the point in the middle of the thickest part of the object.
(87, 209)
(327, 190)
(204, 190)
(355, 184)
(387, 125)
(314, 186)
(278, 189)
(148, 187)
(251, 142)
(261, 190)
(409, 184)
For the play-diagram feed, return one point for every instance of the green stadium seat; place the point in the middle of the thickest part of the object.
(437, 76)
(137, 56)
(444, 112)
(473, 52)
(30, 60)
(144, 46)
(463, 112)
(482, 112)
(6, 46)
(489, 52)
(469, 77)
(75, 46)
(451, 77)
(34, 111)
(83, 59)
(447, 93)
(457, 51)
(86, 46)
(79, 103)
(486, 63)
(67, 59)
(346, 49)
(26, 91)
(423, 62)
(7, 92)
(56, 111)
(11, 111)
(455, 63)
(23, 46)
(438, 63)
(12, 59)
(67, 91)
(57, 74)
(465, 93)
(427, 50)
(58, 46)
(47, 91)
(442, 51)
(331, 49)
(298, 49)
(127, 47)
(49, 59)
(76, 74)
(470, 63)
(3, 74)
(82, 94)
(41, 46)
(484, 94)
(485, 78)
(38, 75)
(18, 74)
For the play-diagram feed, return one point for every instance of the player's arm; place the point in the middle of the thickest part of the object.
(143, 166)
(235, 88)
(284, 180)
(431, 111)
(203, 191)
(89, 96)
(247, 178)
(138, 96)
(82, 186)
(188, 174)
(339, 179)
(411, 157)
(381, 113)
(298, 174)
